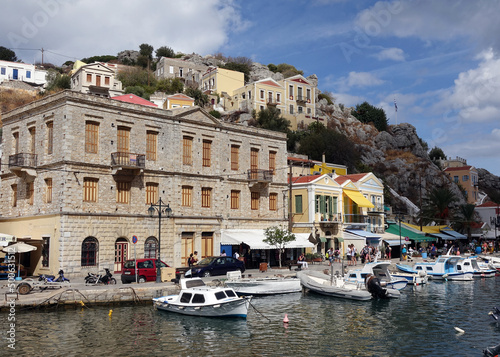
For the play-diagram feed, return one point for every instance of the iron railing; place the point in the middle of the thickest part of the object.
(127, 159)
(22, 160)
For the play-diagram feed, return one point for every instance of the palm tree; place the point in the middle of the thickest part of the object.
(466, 217)
(438, 204)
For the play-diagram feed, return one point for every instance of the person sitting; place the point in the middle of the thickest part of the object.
(302, 262)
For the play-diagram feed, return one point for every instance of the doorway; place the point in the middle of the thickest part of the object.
(121, 254)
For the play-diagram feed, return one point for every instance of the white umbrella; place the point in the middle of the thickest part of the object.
(6, 239)
(20, 247)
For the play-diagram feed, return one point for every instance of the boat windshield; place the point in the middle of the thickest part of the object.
(207, 261)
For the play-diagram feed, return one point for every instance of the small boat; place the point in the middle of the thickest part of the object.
(493, 262)
(381, 271)
(336, 286)
(262, 286)
(444, 268)
(412, 278)
(471, 264)
(197, 299)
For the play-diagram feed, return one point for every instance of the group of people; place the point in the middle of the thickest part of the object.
(368, 254)
(351, 252)
(333, 256)
(193, 259)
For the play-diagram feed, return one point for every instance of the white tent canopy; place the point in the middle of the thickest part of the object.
(254, 238)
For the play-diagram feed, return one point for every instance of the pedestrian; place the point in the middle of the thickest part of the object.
(190, 260)
(236, 255)
(302, 262)
(195, 256)
(330, 256)
(353, 255)
(348, 255)
(403, 251)
(223, 254)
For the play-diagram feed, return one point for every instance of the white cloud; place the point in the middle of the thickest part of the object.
(82, 28)
(359, 80)
(394, 54)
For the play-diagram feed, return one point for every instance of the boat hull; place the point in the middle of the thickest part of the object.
(265, 286)
(237, 307)
(321, 285)
(412, 278)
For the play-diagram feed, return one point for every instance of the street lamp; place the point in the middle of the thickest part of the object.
(161, 208)
(496, 222)
(400, 217)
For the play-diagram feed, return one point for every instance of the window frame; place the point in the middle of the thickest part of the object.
(187, 150)
(48, 190)
(90, 189)
(207, 153)
(254, 201)
(123, 192)
(50, 137)
(235, 199)
(152, 192)
(235, 157)
(151, 145)
(187, 196)
(273, 201)
(206, 197)
(91, 137)
(89, 252)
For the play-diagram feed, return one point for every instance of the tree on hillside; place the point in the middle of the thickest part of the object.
(170, 85)
(465, 218)
(102, 58)
(164, 51)
(437, 207)
(279, 238)
(271, 118)
(367, 113)
(200, 99)
(330, 99)
(272, 67)
(436, 154)
(238, 67)
(145, 57)
(337, 147)
(57, 81)
(287, 70)
(7, 55)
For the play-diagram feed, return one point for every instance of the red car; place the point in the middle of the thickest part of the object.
(146, 270)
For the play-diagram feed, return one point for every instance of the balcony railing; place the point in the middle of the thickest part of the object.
(260, 175)
(22, 160)
(128, 160)
(379, 208)
(303, 99)
(355, 218)
(329, 218)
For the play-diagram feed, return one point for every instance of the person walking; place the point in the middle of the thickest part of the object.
(348, 255)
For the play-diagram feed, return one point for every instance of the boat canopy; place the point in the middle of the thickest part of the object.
(254, 238)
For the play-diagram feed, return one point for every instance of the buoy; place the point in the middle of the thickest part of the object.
(285, 319)
(110, 312)
(81, 303)
(459, 330)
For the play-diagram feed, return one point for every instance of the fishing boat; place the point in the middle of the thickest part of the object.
(262, 285)
(471, 264)
(336, 286)
(444, 268)
(197, 299)
(381, 271)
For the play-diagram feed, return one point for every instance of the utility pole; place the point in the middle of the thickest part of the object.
(290, 219)
(42, 55)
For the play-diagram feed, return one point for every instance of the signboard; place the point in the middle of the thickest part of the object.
(134, 239)
(407, 239)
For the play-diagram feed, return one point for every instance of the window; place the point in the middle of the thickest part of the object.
(308, 110)
(45, 251)
(2, 71)
(50, 137)
(150, 248)
(235, 150)
(90, 189)
(465, 178)
(123, 139)
(261, 107)
(89, 77)
(206, 197)
(291, 108)
(254, 163)
(171, 69)
(48, 190)
(91, 137)
(207, 152)
(123, 192)
(255, 200)
(207, 244)
(90, 247)
(299, 93)
(455, 179)
(278, 97)
(187, 150)
(290, 91)
(249, 95)
(235, 199)
(299, 110)
(273, 201)
(326, 206)
(298, 204)
(198, 299)
(30, 192)
(270, 97)
(14, 195)
(106, 81)
(16, 143)
(28, 74)
(32, 140)
(98, 81)
(272, 162)
(187, 196)
(308, 95)
(151, 143)
(151, 193)
(262, 94)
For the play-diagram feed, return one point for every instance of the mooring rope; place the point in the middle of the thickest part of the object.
(258, 311)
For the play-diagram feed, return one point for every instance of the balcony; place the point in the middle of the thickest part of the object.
(128, 161)
(355, 218)
(272, 102)
(264, 176)
(302, 100)
(378, 209)
(23, 163)
(329, 221)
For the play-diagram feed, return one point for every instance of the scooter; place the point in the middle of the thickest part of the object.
(53, 279)
(106, 279)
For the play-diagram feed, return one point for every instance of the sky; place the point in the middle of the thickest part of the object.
(438, 60)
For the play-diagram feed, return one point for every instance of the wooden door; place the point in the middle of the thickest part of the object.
(121, 254)
(187, 247)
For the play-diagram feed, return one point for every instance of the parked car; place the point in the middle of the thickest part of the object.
(146, 270)
(215, 266)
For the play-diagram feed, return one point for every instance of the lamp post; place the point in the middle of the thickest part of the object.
(400, 217)
(161, 208)
(496, 222)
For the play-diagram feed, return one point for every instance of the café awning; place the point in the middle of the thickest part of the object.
(452, 234)
(411, 234)
(358, 197)
(254, 238)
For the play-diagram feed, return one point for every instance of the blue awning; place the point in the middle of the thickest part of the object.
(453, 234)
(394, 242)
(441, 236)
(363, 233)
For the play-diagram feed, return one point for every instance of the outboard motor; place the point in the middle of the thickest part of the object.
(492, 351)
(375, 288)
(495, 313)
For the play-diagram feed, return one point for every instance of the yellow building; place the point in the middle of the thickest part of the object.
(258, 96)
(178, 100)
(219, 80)
(300, 101)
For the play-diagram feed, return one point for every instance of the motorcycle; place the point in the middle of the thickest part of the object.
(106, 279)
(52, 279)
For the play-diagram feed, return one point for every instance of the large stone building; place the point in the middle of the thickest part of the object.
(83, 170)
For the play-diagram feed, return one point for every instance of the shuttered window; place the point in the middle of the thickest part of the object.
(273, 201)
(14, 195)
(91, 137)
(123, 139)
(187, 196)
(187, 150)
(255, 200)
(207, 153)
(50, 137)
(206, 197)
(151, 193)
(123, 192)
(235, 153)
(254, 163)
(235, 199)
(272, 162)
(298, 204)
(151, 145)
(30, 192)
(90, 189)
(48, 190)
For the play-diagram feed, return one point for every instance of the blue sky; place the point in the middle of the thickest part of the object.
(439, 59)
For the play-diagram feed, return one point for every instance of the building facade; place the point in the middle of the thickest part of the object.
(97, 79)
(16, 71)
(189, 72)
(466, 177)
(83, 170)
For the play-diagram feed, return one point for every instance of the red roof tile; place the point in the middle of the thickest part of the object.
(134, 99)
(488, 204)
(353, 177)
(304, 179)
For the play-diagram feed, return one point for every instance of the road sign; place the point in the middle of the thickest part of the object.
(134, 239)
(407, 239)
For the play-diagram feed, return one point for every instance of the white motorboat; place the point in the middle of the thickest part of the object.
(470, 263)
(197, 299)
(412, 278)
(262, 285)
(444, 268)
(381, 271)
(336, 286)
(492, 261)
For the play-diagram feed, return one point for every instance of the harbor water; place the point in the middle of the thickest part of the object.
(421, 323)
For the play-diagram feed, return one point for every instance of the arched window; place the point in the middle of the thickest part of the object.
(90, 247)
(150, 248)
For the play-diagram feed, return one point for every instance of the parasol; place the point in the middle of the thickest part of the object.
(20, 248)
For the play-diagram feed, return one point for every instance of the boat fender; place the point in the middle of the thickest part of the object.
(285, 319)
(495, 313)
(373, 286)
(458, 329)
